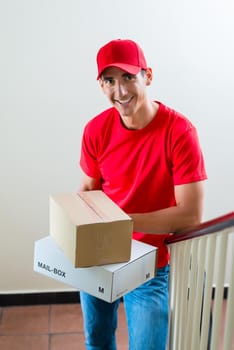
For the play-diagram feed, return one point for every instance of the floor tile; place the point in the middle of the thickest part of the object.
(25, 320)
(66, 318)
(25, 342)
(53, 327)
(67, 342)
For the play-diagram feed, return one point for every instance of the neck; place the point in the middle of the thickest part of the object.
(142, 118)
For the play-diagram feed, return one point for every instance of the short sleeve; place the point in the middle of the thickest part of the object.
(88, 157)
(187, 158)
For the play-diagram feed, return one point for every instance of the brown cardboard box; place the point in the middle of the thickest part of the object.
(90, 228)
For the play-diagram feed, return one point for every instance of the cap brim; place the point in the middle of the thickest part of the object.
(126, 67)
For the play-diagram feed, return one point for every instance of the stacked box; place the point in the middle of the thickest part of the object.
(90, 228)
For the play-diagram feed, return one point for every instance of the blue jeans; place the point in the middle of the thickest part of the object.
(146, 311)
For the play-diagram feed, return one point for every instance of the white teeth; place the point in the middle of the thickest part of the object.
(125, 101)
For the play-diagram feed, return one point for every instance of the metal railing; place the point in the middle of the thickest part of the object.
(201, 303)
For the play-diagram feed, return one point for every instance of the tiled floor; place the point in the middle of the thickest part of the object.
(48, 327)
(51, 327)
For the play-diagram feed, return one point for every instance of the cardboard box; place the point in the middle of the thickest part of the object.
(106, 282)
(90, 228)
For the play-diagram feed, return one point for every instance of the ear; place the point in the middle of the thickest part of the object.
(100, 82)
(149, 76)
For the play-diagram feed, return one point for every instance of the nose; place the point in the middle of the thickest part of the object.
(121, 90)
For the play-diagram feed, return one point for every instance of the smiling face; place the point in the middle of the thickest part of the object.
(126, 92)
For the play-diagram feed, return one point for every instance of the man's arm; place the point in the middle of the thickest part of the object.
(89, 183)
(186, 214)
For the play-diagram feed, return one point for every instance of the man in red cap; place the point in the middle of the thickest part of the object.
(146, 157)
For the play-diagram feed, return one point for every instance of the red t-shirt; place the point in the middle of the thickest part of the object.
(139, 168)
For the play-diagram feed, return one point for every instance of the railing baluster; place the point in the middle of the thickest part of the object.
(209, 273)
(229, 318)
(192, 293)
(221, 254)
(173, 276)
(197, 301)
(184, 291)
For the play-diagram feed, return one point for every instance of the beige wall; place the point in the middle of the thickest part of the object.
(48, 92)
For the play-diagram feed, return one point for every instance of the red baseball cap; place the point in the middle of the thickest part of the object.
(123, 54)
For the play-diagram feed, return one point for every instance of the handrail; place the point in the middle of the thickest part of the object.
(208, 227)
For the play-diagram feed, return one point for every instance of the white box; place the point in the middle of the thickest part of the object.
(107, 282)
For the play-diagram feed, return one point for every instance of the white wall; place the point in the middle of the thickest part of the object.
(48, 91)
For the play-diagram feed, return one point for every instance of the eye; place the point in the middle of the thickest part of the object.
(129, 76)
(108, 81)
